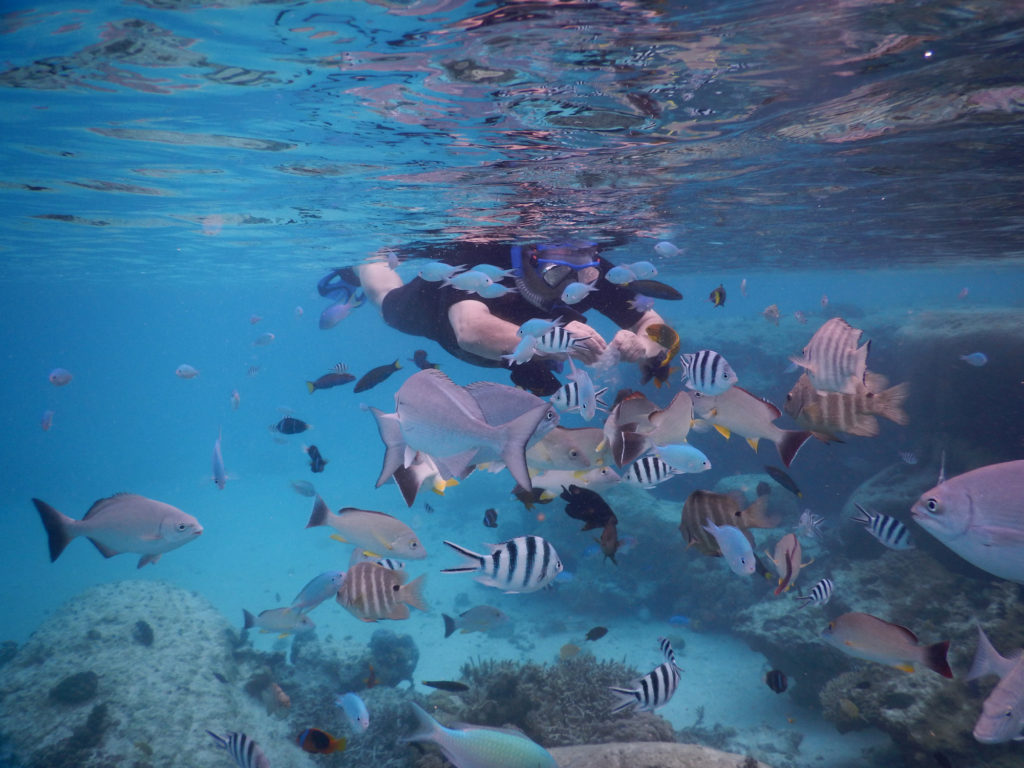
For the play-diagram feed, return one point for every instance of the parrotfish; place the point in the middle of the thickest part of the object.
(980, 516)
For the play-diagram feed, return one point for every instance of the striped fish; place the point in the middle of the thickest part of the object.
(820, 594)
(653, 690)
(832, 358)
(707, 371)
(245, 751)
(371, 592)
(522, 564)
(648, 472)
(568, 397)
(886, 529)
(557, 341)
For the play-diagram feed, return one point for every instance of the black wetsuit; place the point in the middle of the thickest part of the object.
(420, 307)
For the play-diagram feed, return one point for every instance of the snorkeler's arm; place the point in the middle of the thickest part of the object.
(378, 280)
(480, 332)
(634, 344)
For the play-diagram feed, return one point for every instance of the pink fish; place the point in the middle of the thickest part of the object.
(787, 561)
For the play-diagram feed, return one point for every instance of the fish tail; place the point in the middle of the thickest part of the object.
(319, 514)
(624, 697)
(412, 593)
(221, 742)
(394, 443)
(58, 528)
(791, 442)
(428, 729)
(758, 516)
(311, 387)
(934, 658)
(449, 625)
(889, 404)
(516, 434)
(248, 622)
(475, 561)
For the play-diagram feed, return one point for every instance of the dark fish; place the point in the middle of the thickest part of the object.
(588, 506)
(535, 378)
(376, 376)
(329, 380)
(220, 677)
(609, 541)
(447, 685)
(655, 289)
(656, 368)
(316, 461)
(290, 426)
(783, 479)
(530, 498)
(491, 518)
(664, 336)
(597, 633)
(427, 508)
(763, 489)
(420, 358)
(717, 296)
(319, 742)
(776, 680)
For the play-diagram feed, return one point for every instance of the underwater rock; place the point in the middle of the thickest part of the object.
(163, 697)
(7, 651)
(142, 633)
(75, 689)
(661, 754)
(393, 656)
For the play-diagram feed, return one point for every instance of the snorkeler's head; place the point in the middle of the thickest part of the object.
(544, 271)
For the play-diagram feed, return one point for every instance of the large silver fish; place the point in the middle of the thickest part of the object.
(980, 516)
(125, 522)
(1002, 714)
(453, 425)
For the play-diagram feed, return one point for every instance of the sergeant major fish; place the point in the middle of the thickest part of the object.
(654, 689)
(125, 522)
(522, 564)
(707, 371)
(244, 751)
(888, 530)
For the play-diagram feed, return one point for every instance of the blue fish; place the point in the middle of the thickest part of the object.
(735, 547)
(679, 621)
(976, 359)
(355, 711)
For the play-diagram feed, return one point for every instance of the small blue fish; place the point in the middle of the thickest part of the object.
(494, 272)
(220, 477)
(537, 326)
(317, 590)
(643, 270)
(683, 457)
(335, 313)
(576, 292)
(620, 275)
(735, 547)
(667, 249)
(679, 621)
(355, 710)
(471, 281)
(977, 359)
(494, 291)
(436, 271)
(641, 303)
(524, 351)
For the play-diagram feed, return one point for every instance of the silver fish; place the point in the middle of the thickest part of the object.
(1002, 714)
(832, 358)
(522, 564)
(374, 531)
(125, 522)
(435, 415)
(220, 477)
(980, 516)
(284, 621)
(567, 448)
(244, 751)
(479, 618)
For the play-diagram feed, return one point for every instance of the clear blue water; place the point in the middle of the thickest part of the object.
(171, 169)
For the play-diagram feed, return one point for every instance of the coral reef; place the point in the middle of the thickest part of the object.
(393, 656)
(662, 755)
(142, 633)
(76, 689)
(555, 705)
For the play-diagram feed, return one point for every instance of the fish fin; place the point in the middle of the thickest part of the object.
(310, 386)
(390, 430)
(909, 668)
(449, 624)
(412, 593)
(790, 442)
(934, 658)
(59, 528)
(339, 537)
(475, 561)
(752, 442)
(248, 620)
(516, 434)
(723, 431)
(319, 514)
(381, 541)
(987, 659)
(457, 466)
(889, 404)
(104, 550)
(399, 612)
(428, 729)
(149, 559)
(624, 697)
(407, 483)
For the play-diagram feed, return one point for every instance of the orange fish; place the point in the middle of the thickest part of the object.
(319, 742)
(371, 679)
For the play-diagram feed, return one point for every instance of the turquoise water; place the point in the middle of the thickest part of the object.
(172, 169)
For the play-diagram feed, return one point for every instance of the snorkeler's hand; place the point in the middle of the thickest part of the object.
(631, 348)
(590, 346)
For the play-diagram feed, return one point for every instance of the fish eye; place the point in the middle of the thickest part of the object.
(413, 544)
(932, 504)
(396, 587)
(181, 526)
(573, 453)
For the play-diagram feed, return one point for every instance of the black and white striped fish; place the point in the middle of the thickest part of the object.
(648, 472)
(820, 594)
(245, 751)
(557, 341)
(652, 690)
(707, 371)
(832, 358)
(886, 529)
(567, 398)
(522, 564)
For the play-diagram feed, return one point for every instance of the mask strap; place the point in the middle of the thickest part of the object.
(516, 255)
